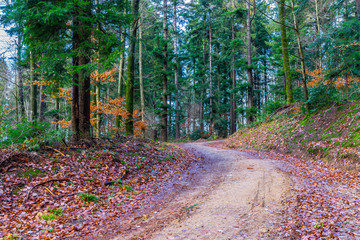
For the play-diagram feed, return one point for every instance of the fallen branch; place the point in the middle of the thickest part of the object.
(66, 195)
(55, 150)
(119, 180)
(42, 183)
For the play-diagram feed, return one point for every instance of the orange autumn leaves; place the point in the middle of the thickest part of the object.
(108, 108)
(341, 83)
(114, 108)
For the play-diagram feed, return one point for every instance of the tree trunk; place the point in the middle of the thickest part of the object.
(97, 82)
(357, 8)
(57, 116)
(285, 53)
(164, 115)
(302, 59)
(176, 80)
(80, 125)
(75, 91)
(142, 100)
(318, 29)
(84, 76)
(20, 79)
(129, 123)
(233, 76)
(250, 117)
(97, 101)
(201, 117)
(265, 81)
(210, 77)
(33, 91)
(42, 105)
(121, 73)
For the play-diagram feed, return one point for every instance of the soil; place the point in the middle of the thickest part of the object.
(229, 194)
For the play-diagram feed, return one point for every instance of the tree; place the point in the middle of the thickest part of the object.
(129, 123)
(250, 117)
(285, 53)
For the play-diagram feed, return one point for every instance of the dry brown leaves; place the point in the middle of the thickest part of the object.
(87, 169)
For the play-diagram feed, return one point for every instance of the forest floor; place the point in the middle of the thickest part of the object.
(79, 192)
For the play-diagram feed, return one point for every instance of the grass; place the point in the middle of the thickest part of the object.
(48, 216)
(52, 214)
(125, 187)
(88, 197)
(191, 207)
(56, 211)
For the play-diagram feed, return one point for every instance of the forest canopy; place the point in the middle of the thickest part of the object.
(78, 70)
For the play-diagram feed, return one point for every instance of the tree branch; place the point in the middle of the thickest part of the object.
(275, 21)
(42, 183)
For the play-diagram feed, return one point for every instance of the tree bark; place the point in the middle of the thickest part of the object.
(318, 29)
(265, 81)
(285, 53)
(121, 73)
(80, 124)
(97, 81)
(233, 76)
(210, 77)
(20, 78)
(57, 115)
(357, 8)
(129, 122)
(164, 115)
(250, 117)
(302, 59)
(176, 73)
(33, 91)
(84, 76)
(42, 105)
(201, 113)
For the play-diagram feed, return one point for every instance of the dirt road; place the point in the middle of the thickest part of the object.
(228, 195)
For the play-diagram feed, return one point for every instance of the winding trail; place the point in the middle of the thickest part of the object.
(229, 194)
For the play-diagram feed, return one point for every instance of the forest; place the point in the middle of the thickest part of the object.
(170, 70)
(110, 108)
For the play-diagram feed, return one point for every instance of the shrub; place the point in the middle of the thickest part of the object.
(29, 135)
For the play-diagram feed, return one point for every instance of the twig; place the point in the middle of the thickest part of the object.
(119, 179)
(55, 150)
(66, 195)
(49, 191)
(42, 183)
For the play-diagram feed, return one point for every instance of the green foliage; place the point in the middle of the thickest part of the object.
(272, 105)
(55, 211)
(88, 197)
(125, 187)
(322, 96)
(197, 134)
(221, 126)
(30, 135)
(31, 173)
(48, 216)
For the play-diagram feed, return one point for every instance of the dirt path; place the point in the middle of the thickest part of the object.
(229, 195)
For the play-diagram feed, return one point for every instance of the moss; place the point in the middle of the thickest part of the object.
(55, 211)
(306, 121)
(31, 173)
(351, 143)
(328, 129)
(310, 130)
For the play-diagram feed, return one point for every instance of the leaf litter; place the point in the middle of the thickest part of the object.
(73, 179)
